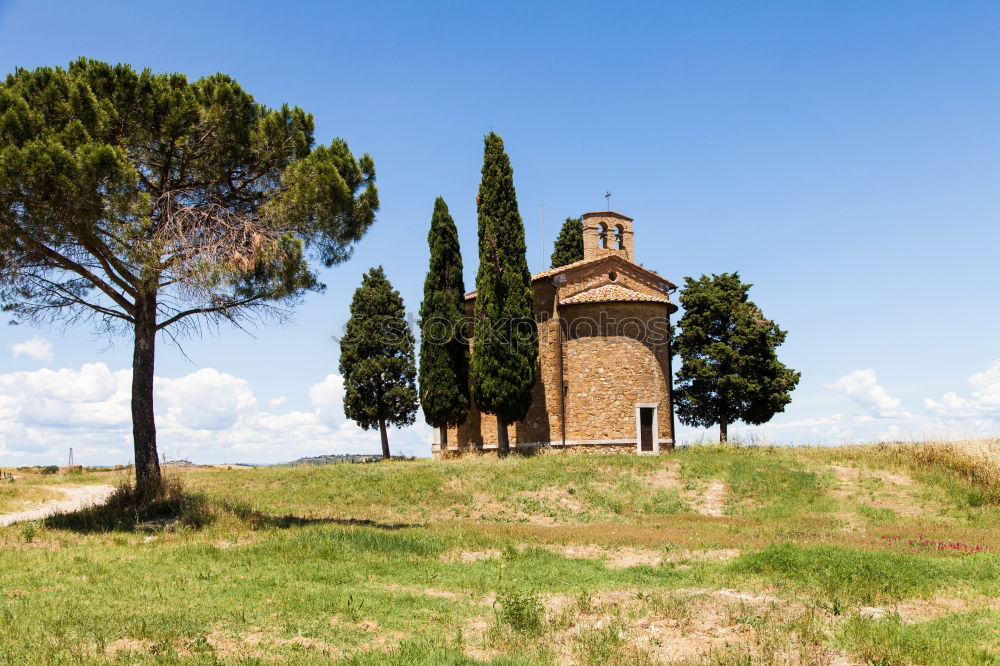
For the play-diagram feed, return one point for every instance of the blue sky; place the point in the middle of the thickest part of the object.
(842, 156)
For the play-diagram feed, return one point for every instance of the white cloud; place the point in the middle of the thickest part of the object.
(328, 397)
(37, 349)
(205, 400)
(205, 416)
(982, 407)
(862, 386)
(92, 396)
(893, 433)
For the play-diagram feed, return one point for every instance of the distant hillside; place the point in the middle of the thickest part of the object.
(333, 459)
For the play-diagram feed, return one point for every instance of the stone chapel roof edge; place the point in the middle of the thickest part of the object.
(584, 262)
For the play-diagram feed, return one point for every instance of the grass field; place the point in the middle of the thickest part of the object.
(883, 554)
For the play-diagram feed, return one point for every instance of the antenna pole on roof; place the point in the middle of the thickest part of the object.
(541, 236)
(607, 197)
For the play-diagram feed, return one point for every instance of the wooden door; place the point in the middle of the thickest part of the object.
(646, 429)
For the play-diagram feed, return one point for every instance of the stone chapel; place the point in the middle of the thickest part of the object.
(603, 353)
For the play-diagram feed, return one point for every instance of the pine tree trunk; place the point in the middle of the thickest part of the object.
(385, 439)
(147, 466)
(503, 443)
(723, 432)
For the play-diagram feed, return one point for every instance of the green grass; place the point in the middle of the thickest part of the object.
(959, 639)
(877, 515)
(764, 482)
(550, 559)
(870, 577)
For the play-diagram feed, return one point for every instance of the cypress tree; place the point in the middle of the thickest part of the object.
(505, 341)
(376, 359)
(730, 370)
(444, 352)
(569, 243)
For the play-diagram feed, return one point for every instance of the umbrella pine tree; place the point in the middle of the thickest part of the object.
(147, 204)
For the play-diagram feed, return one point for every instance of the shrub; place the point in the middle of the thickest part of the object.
(29, 531)
(50, 469)
(521, 611)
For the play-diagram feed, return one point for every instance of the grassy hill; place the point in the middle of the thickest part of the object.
(739, 555)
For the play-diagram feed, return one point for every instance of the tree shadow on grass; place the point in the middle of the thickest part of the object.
(125, 511)
(176, 507)
(258, 519)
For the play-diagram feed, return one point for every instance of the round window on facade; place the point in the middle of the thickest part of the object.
(612, 276)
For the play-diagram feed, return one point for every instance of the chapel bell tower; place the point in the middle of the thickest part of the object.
(607, 233)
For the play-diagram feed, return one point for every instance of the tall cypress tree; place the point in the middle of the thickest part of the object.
(569, 243)
(505, 341)
(444, 353)
(376, 359)
(730, 370)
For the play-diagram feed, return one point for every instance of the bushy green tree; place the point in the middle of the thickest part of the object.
(145, 203)
(376, 359)
(569, 243)
(730, 369)
(444, 351)
(505, 342)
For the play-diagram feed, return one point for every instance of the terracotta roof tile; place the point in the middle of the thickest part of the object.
(560, 269)
(611, 293)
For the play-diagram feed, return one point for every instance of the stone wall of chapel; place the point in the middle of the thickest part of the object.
(553, 448)
(542, 421)
(616, 356)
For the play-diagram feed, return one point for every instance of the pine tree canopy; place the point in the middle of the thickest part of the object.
(117, 185)
(376, 357)
(146, 202)
(505, 340)
(444, 352)
(730, 370)
(569, 243)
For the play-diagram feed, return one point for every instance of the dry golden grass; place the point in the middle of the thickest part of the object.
(14, 497)
(974, 462)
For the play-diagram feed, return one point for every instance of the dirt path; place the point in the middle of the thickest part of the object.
(713, 501)
(77, 497)
(708, 500)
